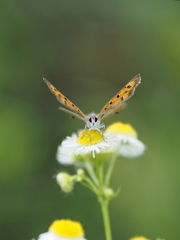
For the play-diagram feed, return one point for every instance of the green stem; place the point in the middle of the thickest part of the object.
(99, 169)
(91, 185)
(105, 213)
(90, 170)
(97, 184)
(110, 168)
(104, 202)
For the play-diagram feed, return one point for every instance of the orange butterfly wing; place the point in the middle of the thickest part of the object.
(66, 102)
(117, 102)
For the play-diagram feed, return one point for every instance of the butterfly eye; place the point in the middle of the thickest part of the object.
(95, 119)
(90, 119)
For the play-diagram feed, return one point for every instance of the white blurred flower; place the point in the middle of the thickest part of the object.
(129, 145)
(64, 230)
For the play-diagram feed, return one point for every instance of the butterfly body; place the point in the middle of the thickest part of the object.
(93, 121)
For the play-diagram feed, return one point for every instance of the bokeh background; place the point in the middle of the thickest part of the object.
(88, 50)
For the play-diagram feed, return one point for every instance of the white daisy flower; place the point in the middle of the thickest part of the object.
(129, 145)
(88, 141)
(64, 230)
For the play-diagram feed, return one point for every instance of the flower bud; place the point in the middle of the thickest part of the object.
(108, 193)
(80, 174)
(65, 181)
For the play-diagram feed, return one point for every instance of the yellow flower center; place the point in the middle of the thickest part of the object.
(67, 228)
(120, 127)
(90, 137)
(139, 238)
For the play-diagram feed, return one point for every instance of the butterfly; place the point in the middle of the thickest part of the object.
(93, 120)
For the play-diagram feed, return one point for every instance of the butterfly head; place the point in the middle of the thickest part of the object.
(93, 122)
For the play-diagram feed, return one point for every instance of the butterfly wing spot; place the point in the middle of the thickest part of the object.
(111, 103)
(118, 96)
(54, 89)
(129, 86)
(122, 98)
(113, 110)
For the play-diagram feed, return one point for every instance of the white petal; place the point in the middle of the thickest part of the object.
(64, 156)
(131, 147)
(52, 236)
(49, 236)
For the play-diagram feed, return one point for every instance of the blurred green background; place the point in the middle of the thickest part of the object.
(88, 50)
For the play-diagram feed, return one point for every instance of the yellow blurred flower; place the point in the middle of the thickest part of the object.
(64, 229)
(139, 238)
